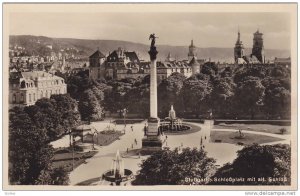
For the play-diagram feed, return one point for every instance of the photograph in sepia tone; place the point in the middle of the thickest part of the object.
(119, 98)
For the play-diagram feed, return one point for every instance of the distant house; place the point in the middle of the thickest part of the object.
(283, 61)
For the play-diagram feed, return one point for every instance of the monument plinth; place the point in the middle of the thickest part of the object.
(152, 141)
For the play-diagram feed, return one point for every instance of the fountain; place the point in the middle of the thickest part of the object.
(172, 123)
(117, 173)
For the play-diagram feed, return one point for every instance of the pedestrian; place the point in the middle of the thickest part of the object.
(205, 137)
(166, 137)
(127, 151)
(132, 146)
(132, 128)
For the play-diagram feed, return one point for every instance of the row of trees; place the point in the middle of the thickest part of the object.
(31, 129)
(241, 92)
(192, 166)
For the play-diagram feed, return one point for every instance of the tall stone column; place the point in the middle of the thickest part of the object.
(152, 141)
(153, 85)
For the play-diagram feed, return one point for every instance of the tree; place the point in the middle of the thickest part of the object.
(68, 109)
(53, 176)
(29, 150)
(277, 99)
(196, 92)
(210, 68)
(259, 162)
(249, 94)
(169, 93)
(168, 167)
(222, 96)
(89, 107)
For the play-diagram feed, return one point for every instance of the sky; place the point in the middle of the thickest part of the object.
(177, 29)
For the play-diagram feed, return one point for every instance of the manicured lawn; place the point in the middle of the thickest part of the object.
(66, 159)
(254, 127)
(229, 137)
(103, 138)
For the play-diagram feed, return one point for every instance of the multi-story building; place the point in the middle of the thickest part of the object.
(121, 64)
(25, 88)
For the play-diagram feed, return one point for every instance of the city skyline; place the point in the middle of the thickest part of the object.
(206, 29)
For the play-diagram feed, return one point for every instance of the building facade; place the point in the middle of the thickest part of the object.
(25, 88)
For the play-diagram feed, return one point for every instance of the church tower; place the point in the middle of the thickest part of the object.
(239, 48)
(258, 46)
(192, 50)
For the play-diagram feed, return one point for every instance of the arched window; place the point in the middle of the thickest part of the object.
(33, 96)
(23, 84)
(14, 98)
(29, 97)
(46, 94)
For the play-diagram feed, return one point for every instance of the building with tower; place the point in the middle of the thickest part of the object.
(192, 51)
(97, 68)
(195, 66)
(238, 49)
(258, 47)
(257, 56)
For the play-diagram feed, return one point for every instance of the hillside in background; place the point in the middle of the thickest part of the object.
(37, 45)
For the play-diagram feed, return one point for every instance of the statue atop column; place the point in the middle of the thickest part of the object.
(152, 36)
(153, 52)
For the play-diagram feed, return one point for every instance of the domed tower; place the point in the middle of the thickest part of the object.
(239, 48)
(258, 46)
(192, 50)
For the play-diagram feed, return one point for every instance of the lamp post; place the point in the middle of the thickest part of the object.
(73, 153)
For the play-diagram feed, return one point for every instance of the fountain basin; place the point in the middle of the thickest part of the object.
(110, 176)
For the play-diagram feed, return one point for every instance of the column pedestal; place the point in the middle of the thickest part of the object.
(152, 141)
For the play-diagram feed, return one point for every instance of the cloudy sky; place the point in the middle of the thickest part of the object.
(206, 29)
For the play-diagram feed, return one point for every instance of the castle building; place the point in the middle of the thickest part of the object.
(120, 60)
(25, 88)
(192, 50)
(97, 67)
(238, 49)
(258, 47)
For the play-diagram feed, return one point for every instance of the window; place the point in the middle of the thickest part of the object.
(14, 98)
(41, 95)
(21, 98)
(33, 96)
